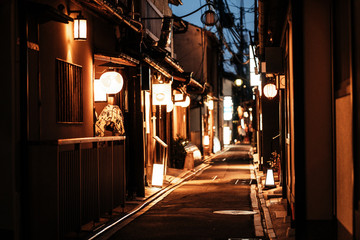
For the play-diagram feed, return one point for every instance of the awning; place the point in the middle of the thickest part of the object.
(121, 59)
(156, 65)
(46, 13)
(112, 11)
(191, 84)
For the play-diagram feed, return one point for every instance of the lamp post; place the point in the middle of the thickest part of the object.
(209, 17)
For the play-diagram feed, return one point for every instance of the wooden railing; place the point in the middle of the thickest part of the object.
(75, 182)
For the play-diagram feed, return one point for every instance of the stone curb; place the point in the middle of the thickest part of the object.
(267, 222)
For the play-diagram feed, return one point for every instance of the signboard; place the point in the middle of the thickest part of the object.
(161, 94)
(228, 108)
(254, 76)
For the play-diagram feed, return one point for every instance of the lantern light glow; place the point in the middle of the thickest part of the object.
(210, 104)
(169, 106)
(185, 103)
(238, 82)
(158, 175)
(99, 91)
(80, 28)
(112, 82)
(270, 90)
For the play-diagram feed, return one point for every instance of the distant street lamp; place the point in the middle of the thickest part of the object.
(238, 82)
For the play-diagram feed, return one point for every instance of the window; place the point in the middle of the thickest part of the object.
(69, 92)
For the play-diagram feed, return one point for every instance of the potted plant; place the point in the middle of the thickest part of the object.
(178, 153)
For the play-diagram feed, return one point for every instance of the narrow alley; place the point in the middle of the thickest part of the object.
(214, 204)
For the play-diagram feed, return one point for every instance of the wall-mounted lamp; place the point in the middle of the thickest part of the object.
(112, 82)
(80, 26)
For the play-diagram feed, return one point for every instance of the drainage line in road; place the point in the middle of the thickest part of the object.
(169, 189)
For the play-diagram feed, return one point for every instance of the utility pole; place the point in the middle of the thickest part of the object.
(255, 22)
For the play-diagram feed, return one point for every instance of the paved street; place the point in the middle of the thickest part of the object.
(215, 204)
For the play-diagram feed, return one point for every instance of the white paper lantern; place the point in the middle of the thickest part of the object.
(270, 90)
(112, 82)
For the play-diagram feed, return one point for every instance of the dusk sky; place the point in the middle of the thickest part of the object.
(234, 5)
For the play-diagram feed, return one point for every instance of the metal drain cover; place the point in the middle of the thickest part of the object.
(235, 212)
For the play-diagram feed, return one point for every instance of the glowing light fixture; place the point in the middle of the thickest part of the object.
(169, 106)
(99, 91)
(228, 108)
(179, 97)
(210, 104)
(206, 140)
(217, 145)
(227, 135)
(269, 181)
(197, 155)
(112, 82)
(209, 17)
(270, 90)
(238, 82)
(80, 27)
(157, 175)
(185, 103)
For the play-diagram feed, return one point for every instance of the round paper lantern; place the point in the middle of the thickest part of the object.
(184, 103)
(270, 90)
(169, 106)
(112, 82)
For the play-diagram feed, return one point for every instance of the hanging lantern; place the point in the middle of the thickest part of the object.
(169, 106)
(184, 103)
(209, 18)
(187, 102)
(270, 90)
(112, 82)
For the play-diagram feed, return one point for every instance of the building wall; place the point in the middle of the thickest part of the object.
(56, 41)
(317, 110)
(343, 118)
(189, 51)
(344, 164)
(9, 142)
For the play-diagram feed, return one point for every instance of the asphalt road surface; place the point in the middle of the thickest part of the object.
(215, 204)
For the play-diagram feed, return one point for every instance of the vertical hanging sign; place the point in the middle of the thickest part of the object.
(161, 94)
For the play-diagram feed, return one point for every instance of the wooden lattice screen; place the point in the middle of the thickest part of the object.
(69, 92)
